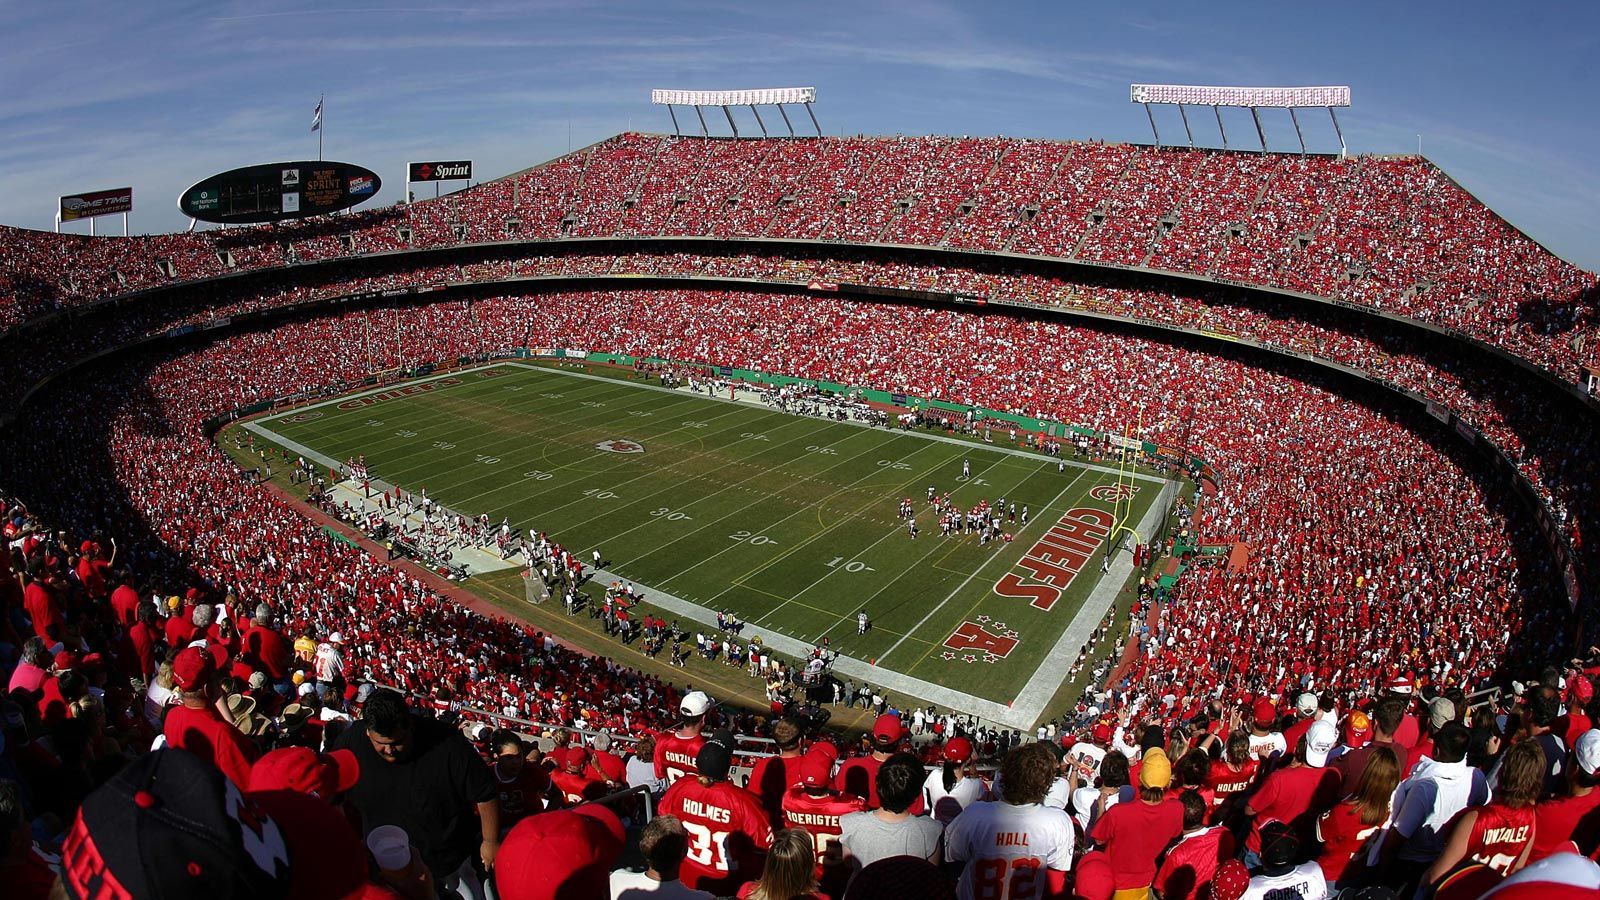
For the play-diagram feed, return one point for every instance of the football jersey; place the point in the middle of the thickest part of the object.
(1499, 835)
(728, 832)
(818, 816)
(1226, 782)
(578, 787)
(1005, 846)
(675, 756)
(946, 805)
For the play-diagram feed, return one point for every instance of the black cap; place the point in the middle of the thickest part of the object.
(170, 825)
(716, 756)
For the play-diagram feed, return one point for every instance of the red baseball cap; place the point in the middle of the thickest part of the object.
(566, 853)
(816, 770)
(1265, 712)
(1096, 880)
(65, 660)
(193, 669)
(888, 728)
(1102, 733)
(304, 771)
(575, 758)
(1231, 881)
(959, 749)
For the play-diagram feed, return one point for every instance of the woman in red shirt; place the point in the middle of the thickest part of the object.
(1344, 829)
(1499, 835)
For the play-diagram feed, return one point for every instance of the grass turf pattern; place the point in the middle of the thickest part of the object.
(789, 522)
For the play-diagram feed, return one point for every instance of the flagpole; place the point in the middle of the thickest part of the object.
(320, 126)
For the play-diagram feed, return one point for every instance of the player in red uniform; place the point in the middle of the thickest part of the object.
(676, 750)
(1500, 834)
(728, 830)
(813, 807)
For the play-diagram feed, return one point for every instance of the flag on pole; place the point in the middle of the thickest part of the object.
(316, 117)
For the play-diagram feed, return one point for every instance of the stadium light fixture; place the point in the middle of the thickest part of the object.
(1251, 98)
(804, 96)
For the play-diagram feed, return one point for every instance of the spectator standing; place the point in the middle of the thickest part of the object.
(728, 829)
(955, 785)
(773, 776)
(423, 776)
(195, 724)
(858, 775)
(891, 829)
(1134, 834)
(813, 807)
(1299, 793)
(1500, 834)
(676, 750)
(1282, 875)
(1425, 802)
(1014, 846)
(1572, 819)
(1192, 862)
(1346, 828)
(1386, 718)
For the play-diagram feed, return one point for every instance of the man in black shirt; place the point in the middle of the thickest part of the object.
(424, 777)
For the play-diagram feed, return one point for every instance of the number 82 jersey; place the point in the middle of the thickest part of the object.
(1008, 850)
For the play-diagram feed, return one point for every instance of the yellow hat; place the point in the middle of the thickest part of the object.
(173, 602)
(1156, 772)
(297, 677)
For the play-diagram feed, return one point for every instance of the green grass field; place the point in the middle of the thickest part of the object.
(789, 522)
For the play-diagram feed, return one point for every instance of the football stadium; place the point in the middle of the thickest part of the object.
(733, 508)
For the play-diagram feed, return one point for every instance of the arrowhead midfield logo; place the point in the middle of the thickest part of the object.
(620, 446)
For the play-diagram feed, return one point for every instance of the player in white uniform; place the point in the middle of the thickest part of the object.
(1014, 848)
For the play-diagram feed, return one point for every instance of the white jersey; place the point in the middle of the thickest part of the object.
(1005, 847)
(1088, 758)
(1305, 881)
(1268, 745)
(945, 805)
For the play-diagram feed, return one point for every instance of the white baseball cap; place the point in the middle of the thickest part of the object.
(336, 638)
(1321, 738)
(1306, 704)
(1587, 749)
(695, 703)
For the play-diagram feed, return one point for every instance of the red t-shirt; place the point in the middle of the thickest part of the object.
(1134, 834)
(204, 733)
(1192, 863)
(125, 603)
(144, 639)
(179, 629)
(1342, 833)
(858, 777)
(43, 609)
(728, 833)
(1565, 820)
(577, 787)
(769, 779)
(675, 756)
(271, 650)
(1295, 796)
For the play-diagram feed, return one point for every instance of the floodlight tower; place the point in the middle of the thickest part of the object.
(1251, 98)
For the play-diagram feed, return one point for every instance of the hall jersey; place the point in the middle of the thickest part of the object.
(1006, 848)
(1499, 835)
(675, 756)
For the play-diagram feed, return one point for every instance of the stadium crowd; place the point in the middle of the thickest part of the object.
(1390, 233)
(155, 596)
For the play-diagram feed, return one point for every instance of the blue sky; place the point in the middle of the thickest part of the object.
(158, 94)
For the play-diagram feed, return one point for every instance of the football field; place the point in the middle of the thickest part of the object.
(789, 522)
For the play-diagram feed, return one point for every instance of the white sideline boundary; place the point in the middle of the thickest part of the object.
(1035, 694)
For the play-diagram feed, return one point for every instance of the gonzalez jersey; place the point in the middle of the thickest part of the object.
(728, 833)
(818, 816)
(1499, 836)
(1005, 847)
(675, 756)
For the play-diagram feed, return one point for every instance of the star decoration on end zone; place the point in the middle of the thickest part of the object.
(969, 658)
(1009, 634)
(947, 655)
(990, 658)
(983, 618)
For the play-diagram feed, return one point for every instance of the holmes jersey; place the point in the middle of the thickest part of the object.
(1007, 849)
(728, 832)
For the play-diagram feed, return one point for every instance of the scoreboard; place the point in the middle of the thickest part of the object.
(275, 192)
